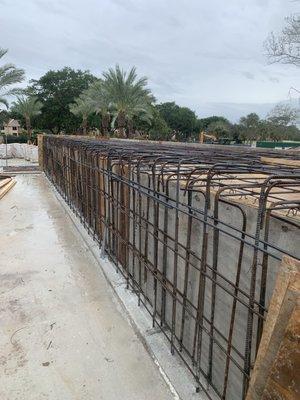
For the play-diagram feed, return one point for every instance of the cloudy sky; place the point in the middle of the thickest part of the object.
(207, 55)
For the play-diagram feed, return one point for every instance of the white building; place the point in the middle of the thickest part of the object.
(12, 127)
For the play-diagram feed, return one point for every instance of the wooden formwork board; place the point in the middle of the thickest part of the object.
(276, 370)
(123, 214)
(4, 182)
(4, 189)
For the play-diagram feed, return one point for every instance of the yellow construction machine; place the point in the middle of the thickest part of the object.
(203, 136)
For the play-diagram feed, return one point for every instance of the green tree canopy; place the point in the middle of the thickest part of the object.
(220, 128)
(27, 107)
(250, 121)
(280, 123)
(4, 116)
(159, 129)
(181, 120)
(57, 90)
(83, 108)
(9, 75)
(282, 114)
(100, 102)
(250, 126)
(128, 97)
(204, 123)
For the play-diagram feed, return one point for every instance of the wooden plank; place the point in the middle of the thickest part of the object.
(281, 312)
(281, 161)
(283, 381)
(6, 188)
(4, 182)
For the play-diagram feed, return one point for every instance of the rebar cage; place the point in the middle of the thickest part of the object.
(197, 232)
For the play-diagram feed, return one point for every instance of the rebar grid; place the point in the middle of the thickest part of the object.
(197, 232)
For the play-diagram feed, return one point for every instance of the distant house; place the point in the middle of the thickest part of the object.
(12, 127)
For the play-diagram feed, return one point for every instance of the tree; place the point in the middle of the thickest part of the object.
(250, 126)
(203, 123)
(83, 108)
(99, 100)
(57, 90)
(159, 129)
(280, 123)
(28, 107)
(235, 133)
(128, 97)
(9, 75)
(282, 114)
(285, 47)
(221, 129)
(181, 120)
(4, 117)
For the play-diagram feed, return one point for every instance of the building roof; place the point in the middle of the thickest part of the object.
(12, 122)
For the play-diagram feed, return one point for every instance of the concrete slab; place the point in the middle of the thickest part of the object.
(63, 333)
(15, 162)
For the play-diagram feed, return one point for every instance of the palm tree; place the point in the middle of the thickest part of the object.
(100, 102)
(129, 97)
(9, 75)
(28, 107)
(83, 108)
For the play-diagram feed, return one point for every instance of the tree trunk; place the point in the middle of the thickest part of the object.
(130, 128)
(84, 124)
(105, 124)
(28, 128)
(121, 124)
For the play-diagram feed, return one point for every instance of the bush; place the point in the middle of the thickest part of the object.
(15, 139)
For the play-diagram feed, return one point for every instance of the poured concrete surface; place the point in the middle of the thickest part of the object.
(15, 162)
(63, 333)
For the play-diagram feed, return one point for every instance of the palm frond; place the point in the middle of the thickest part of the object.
(82, 106)
(4, 101)
(113, 121)
(128, 94)
(28, 107)
(3, 52)
(14, 92)
(9, 75)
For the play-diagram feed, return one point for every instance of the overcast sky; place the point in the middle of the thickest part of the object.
(205, 54)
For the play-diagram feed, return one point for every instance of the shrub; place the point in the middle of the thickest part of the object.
(15, 139)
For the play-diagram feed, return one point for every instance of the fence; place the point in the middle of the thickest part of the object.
(197, 232)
